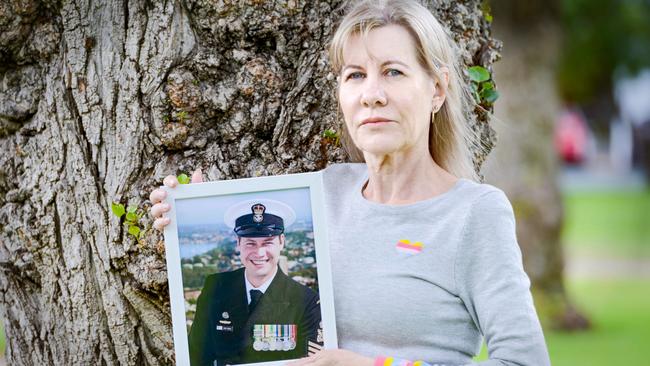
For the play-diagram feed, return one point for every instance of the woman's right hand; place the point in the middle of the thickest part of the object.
(157, 198)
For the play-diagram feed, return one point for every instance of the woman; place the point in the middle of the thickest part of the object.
(424, 260)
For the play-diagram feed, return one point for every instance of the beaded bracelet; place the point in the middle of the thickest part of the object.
(392, 361)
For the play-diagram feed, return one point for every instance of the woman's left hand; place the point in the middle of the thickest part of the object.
(334, 357)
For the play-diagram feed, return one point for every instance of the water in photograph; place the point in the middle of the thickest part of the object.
(190, 250)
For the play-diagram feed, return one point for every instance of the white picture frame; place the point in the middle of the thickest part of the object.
(216, 196)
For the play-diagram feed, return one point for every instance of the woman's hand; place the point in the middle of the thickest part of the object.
(334, 357)
(157, 198)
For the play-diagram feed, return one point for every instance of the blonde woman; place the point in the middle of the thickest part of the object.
(425, 261)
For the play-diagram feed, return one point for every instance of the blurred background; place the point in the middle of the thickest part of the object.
(573, 155)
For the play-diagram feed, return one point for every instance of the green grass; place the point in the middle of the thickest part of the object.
(620, 313)
(611, 223)
(608, 224)
(2, 338)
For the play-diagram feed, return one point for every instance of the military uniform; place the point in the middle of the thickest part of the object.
(286, 318)
(279, 322)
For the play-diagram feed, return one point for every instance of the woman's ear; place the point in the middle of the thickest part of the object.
(442, 82)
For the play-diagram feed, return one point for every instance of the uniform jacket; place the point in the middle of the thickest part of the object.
(223, 304)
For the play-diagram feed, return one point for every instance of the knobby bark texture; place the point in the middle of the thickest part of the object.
(524, 163)
(99, 100)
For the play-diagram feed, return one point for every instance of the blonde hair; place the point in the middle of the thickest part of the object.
(450, 137)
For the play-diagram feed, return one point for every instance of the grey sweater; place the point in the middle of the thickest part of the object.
(425, 281)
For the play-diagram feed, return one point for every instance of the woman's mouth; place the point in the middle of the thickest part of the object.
(374, 121)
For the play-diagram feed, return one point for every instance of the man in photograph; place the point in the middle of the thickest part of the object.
(255, 313)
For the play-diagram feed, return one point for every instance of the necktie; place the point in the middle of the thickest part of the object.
(255, 298)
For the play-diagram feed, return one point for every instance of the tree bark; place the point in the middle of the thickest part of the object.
(100, 100)
(524, 162)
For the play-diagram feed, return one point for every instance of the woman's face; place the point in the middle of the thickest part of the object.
(385, 94)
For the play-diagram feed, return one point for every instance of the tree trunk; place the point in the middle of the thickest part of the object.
(100, 100)
(524, 163)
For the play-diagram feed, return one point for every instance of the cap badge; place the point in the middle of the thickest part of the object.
(258, 212)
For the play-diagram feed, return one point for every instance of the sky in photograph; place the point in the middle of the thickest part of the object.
(210, 210)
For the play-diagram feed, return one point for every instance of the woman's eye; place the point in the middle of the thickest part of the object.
(354, 75)
(393, 72)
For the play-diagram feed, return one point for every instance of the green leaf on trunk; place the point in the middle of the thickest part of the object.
(478, 74)
(135, 231)
(183, 179)
(488, 85)
(131, 217)
(490, 95)
(118, 209)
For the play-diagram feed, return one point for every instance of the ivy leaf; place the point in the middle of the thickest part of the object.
(183, 179)
(488, 85)
(118, 209)
(132, 208)
(478, 74)
(330, 134)
(131, 217)
(486, 9)
(135, 231)
(490, 95)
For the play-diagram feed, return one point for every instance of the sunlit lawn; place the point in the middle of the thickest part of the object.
(608, 223)
(2, 338)
(620, 312)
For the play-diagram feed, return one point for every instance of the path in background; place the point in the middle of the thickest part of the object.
(581, 265)
(600, 174)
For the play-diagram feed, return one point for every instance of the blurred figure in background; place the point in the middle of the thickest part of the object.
(571, 136)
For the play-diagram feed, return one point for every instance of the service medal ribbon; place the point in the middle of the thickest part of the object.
(274, 337)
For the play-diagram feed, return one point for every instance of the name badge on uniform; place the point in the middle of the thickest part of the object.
(224, 324)
(274, 337)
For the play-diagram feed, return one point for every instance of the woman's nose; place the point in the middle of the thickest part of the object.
(373, 95)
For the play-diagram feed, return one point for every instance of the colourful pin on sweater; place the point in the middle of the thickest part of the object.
(405, 246)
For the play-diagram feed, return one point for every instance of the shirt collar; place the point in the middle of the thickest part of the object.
(263, 288)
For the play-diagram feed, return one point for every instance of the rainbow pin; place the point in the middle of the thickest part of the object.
(405, 246)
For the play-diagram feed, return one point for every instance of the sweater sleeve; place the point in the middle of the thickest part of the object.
(495, 289)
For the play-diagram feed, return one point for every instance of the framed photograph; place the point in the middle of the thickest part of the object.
(249, 271)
